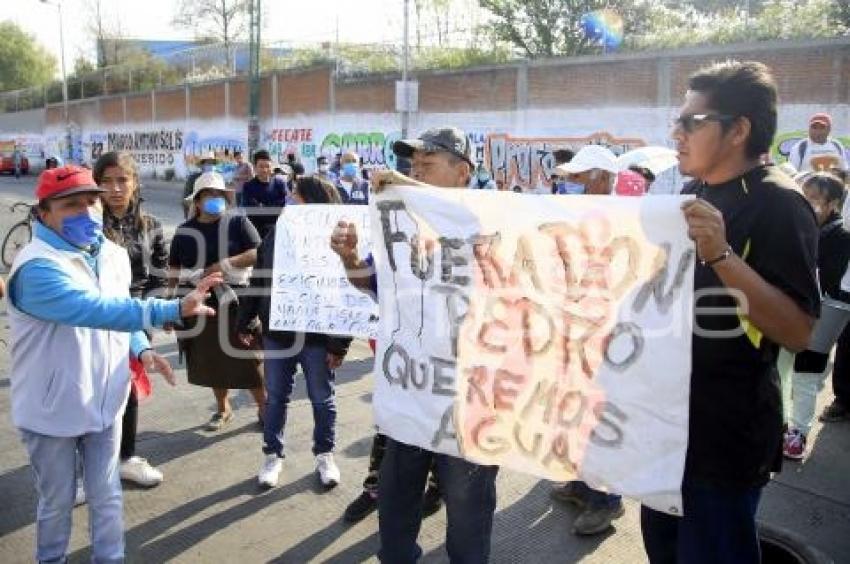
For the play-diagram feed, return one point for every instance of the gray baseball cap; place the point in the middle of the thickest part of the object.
(448, 139)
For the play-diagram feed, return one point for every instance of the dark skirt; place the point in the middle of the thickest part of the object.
(211, 366)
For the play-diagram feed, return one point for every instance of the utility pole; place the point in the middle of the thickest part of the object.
(65, 111)
(405, 114)
(254, 13)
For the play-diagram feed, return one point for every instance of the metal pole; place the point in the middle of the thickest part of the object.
(64, 85)
(405, 114)
(254, 13)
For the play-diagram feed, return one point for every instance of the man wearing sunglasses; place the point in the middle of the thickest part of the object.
(755, 289)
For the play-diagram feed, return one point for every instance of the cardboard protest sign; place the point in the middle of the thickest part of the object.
(310, 291)
(547, 334)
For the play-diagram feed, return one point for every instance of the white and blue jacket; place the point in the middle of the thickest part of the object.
(71, 318)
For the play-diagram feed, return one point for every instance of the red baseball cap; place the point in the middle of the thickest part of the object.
(822, 119)
(64, 181)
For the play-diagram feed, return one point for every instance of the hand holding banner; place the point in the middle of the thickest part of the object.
(310, 291)
(547, 334)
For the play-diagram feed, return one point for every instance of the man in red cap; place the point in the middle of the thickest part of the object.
(819, 151)
(73, 327)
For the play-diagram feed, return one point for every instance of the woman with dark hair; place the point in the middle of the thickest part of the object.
(141, 235)
(825, 192)
(317, 354)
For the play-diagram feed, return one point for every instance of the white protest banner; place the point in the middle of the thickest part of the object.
(547, 334)
(310, 291)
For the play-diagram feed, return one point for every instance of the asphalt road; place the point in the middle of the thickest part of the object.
(209, 508)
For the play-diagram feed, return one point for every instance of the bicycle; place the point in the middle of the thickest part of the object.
(19, 234)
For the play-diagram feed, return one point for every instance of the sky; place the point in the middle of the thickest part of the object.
(372, 21)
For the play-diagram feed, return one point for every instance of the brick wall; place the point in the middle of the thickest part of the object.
(139, 108)
(816, 72)
(370, 95)
(171, 104)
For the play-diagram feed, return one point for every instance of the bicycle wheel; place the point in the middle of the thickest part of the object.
(18, 236)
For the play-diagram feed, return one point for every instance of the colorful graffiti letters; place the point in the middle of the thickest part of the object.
(374, 148)
(528, 162)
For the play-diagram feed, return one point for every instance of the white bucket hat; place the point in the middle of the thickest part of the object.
(208, 181)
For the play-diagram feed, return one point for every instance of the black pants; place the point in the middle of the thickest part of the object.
(719, 527)
(379, 447)
(128, 427)
(810, 362)
(841, 367)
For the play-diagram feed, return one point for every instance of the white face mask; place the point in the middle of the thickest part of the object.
(324, 168)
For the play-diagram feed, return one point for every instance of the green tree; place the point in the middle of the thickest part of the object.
(23, 62)
(225, 21)
(841, 12)
(776, 19)
(453, 58)
(547, 28)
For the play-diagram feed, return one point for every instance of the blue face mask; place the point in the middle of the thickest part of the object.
(564, 187)
(208, 168)
(483, 178)
(82, 230)
(349, 170)
(214, 206)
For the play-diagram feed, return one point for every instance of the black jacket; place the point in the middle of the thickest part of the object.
(141, 235)
(833, 255)
(256, 306)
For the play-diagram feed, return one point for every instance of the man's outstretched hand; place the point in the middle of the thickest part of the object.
(192, 304)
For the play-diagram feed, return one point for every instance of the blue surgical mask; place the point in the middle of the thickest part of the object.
(214, 206)
(82, 230)
(349, 170)
(208, 168)
(564, 187)
(484, 178)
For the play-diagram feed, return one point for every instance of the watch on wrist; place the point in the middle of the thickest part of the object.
(723, 256)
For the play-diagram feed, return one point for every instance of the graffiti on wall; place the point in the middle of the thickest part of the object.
(784, 142)
(97, 143)
(298, 142)
(374, 148)
(31, 145)
(222, 146)
(149, 148)
(528, 162)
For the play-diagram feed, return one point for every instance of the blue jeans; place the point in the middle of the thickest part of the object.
(468, 489)
(718, 527)
(53, 461)
(280, 378)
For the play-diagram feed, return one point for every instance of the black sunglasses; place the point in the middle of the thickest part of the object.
(692, 122)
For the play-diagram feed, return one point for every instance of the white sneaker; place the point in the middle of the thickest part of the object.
(80, 495)
(137, 470)
(327, 469)
(270, 471)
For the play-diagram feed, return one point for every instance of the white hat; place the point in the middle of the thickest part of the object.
(207, 156)
(208, 181)
(590, 157)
